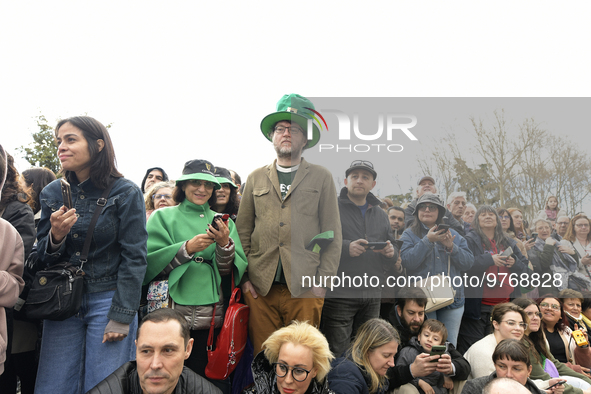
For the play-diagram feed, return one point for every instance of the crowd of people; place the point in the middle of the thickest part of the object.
(333, 279)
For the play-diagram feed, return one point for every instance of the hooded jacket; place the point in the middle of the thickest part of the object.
(374, 227)
(12, 257)
(265, 380)
(125, 380)
(408, 355)
(164, 176)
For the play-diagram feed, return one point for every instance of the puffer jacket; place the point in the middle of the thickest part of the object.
(265, 380)
(125, 380)
(346, 377)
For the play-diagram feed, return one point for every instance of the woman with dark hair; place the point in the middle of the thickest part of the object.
(186, 252)
(488, 242)
(509, 227)
(556, 330)
(508, 321)
(511, 359)
(428, 251)
(362, 370)
(33, 181)
(545, 366)
(521, 232)
(14, 207)
(227, 196)
(79, 352)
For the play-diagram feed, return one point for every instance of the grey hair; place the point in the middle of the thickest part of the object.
(542, 220)
(453, 196)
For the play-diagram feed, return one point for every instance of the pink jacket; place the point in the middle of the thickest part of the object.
(12, 254)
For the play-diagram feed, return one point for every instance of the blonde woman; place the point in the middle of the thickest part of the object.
(295, 360)
(159, 196)
(363, 369)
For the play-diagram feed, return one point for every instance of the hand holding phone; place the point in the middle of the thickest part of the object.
(223, 216)
(66, 193)
(555, 384)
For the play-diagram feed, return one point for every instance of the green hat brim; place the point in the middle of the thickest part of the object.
(221, 180)
(269, 122)
(203, 177)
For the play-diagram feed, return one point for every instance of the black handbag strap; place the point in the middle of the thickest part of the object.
(97, 212)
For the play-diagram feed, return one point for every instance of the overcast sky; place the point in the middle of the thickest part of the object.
(180, 80)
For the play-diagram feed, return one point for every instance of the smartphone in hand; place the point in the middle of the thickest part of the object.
(66, 193)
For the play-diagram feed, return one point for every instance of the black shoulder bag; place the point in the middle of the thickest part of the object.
(56, 293)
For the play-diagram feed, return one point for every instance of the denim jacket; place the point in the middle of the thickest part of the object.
(117, 256)
(421, 257)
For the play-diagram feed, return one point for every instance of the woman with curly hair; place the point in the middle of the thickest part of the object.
(159, 196)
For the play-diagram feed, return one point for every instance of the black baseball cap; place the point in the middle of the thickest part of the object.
(361, 165)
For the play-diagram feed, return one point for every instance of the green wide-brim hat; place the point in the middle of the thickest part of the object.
(292, 108)
(199, 169)
(223, 176)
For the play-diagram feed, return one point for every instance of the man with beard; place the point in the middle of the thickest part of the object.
(407, 318)
(396, 217)
(288, 213)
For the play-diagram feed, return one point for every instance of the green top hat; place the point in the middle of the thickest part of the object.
(292, 108)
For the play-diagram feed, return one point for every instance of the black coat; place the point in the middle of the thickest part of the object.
(265, 380)
(374, 227)
(21, 216)
(482, 261)
(125, 380)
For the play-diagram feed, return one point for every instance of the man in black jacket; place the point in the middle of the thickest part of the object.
(161, 349)
(407, 317)
(367, 253)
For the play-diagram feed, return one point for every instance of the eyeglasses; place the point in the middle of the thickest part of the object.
(291, 129)
(532, 314)
(161, 196)
(430, 207)
(299, 374)
(562, 223)
(573, 305)
(513, 323)
(199, 183)
(545, 305)
(505, 217)
(582, 225)
(362, 163)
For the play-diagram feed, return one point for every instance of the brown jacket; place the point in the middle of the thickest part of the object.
(267, 230)
(12, 255)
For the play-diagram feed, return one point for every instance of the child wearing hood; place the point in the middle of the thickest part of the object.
(432, 333)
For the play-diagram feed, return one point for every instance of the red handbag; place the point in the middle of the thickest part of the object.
(231, 340)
